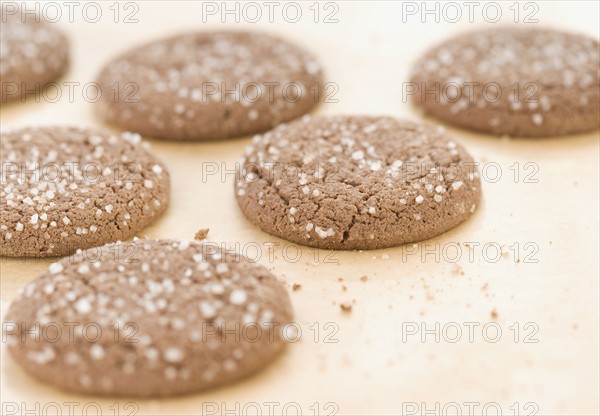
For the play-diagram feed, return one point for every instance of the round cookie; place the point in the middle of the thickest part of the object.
(163, 318)
(209, 86)
(358, 182)
(65, 188)
(32, 54)
(527, 82)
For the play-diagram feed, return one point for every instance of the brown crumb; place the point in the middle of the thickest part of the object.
(458, 270)
(494, 314)
(344, 288)
(201, 234)
(296, 287)
(340, 279)
(346, 307)
(364, 278)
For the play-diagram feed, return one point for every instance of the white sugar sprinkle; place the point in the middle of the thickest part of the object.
(222, 268)
(97, 352)
(43, 356)
(358, 155)
(151, 354)
(324, 233)
(173, 355)
(83, 268)
(55, 268)
(370, 128)
(83, 306)
(207, 310)
(238, 297)
(456, 185)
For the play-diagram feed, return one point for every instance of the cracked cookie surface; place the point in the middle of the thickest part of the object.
(148, 319)
(209, 85)
(527, 82)
(32, 54)
(65, 188)
(354, 182)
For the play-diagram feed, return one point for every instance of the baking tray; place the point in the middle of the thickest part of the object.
(527, 262)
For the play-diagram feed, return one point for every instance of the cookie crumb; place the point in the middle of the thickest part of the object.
(364, 278)
(458, 270)
(201, 234)
(296, 287)
(346, 307)
(494, 314)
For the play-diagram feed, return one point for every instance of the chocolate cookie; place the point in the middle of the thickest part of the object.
(526, 82)
(65, 188)
(32, 53)
(209, 86)
(356, 182)
(148, 319)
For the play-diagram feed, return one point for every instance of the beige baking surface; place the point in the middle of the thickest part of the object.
(370, 370)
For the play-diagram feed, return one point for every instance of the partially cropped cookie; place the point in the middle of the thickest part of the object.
(149, 319)
(66, 188)
(353, 182)
(32, 54)
(209, 85)
(526, 82)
